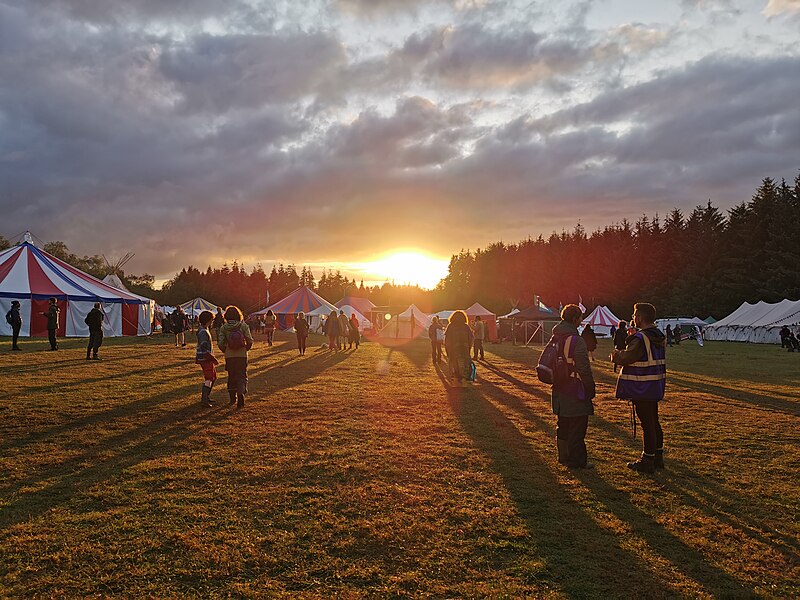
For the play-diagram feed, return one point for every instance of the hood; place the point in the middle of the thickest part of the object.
(565, 328)
(656, 337)
(228, 326)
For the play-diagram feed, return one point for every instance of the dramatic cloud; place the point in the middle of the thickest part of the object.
(197, 132)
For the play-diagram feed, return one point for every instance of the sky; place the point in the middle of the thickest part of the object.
(341, 132)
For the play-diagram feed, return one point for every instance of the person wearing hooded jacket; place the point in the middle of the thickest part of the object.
(235, 358)
(642, 380)
(571, 398)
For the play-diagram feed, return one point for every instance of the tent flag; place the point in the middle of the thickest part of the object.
(580, 304)
(32, 276)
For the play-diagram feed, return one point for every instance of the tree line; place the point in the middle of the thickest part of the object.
(705, 263)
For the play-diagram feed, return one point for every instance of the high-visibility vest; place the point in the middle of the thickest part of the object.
(645, 379)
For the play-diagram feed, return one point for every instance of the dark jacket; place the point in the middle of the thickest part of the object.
(179, 321)
(301, 327)
(620, 335)
(634, 349)
(590, 338)
(565, 401)
(95, 320)
(458, 339)
(52, 317)
(219, 320)
(13, 317)
(331, 327)
(434, 327)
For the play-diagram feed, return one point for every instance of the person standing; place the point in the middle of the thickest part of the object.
(458, 342)
(344, 328)
(677, 332)
(590, 338)
(571, 398)
(204, 356)
(219, 321)
(642, 381)
(331, 329)
(270, 321)
(14, 318)
(620, 335)
(436, 335)
(94, 320)
(668, 333)
(479, 331)
(235, 340)
(301, 330)
(354, 334)
(52, 323)
(180, 324)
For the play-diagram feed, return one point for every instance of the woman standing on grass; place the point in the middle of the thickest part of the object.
(269, 325)
(331, 329)
(235, 340)
(590, 338)
(458, 343)
(301, 329)
(355, 336)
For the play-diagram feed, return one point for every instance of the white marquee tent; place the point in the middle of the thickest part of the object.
(314, 317)
(410, 323)
(757, 323)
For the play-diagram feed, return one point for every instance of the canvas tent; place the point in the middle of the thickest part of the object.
(197, 305)
(32, 276)
(303, 299)
(113, 280)
(757, 323)
(315, 317)
(410, 323)
(601, 319)
(486, 316)
(362, 305)
(443, 315)
(686, 323)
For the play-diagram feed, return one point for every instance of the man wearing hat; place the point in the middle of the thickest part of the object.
(14, 319)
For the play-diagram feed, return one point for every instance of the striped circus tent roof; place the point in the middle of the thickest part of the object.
(29, 272)
(31, 276)
(601, 316)
(198, 305)
(303, 299)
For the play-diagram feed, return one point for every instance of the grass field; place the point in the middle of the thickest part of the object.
(361, 474)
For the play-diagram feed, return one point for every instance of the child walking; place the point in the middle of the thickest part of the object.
(204, 356)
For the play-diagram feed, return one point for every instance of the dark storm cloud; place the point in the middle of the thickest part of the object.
(190, 145)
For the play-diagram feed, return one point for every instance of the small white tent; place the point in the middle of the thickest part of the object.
(758, 323)
(602, 320)
(314, 317)
(410, 323)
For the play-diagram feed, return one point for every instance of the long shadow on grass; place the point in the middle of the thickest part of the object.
(150, 440)
(749, 399)
(689, 560)
(577, 551)
(713, 499)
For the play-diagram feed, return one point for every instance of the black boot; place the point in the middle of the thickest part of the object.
(232, 396)
(239, 400)
(658, 462)
(206, 397)
(646, 464)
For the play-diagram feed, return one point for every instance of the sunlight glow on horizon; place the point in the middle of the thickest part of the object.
(407, 266)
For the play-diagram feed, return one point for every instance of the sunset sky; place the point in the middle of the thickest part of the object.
(341, 132)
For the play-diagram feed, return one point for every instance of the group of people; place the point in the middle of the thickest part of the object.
(342, 331)
(94, 320)
(462, 344)
(789, 339)
(642, 381)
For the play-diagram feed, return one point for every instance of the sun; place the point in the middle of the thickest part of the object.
(415, 268)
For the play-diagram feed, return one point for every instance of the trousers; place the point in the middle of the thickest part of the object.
(570, 436)
(653, 436)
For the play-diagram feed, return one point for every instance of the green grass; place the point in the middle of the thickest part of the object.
(361, 474)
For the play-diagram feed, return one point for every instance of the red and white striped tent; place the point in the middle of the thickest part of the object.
(32, 276)
(601, 319)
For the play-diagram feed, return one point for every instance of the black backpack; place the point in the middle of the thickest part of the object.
(552, 367)
(9, 320)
